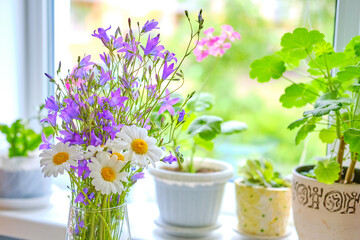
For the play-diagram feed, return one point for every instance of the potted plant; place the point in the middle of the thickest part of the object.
(20, 165)
(326, 194)
(263, 200)
(189, 192)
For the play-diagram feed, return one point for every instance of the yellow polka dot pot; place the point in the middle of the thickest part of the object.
(262, 211)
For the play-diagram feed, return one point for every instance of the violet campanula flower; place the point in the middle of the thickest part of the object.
(71, 111)
(49, 76)
(167, 70)
(104, 77)
(69, 136)
(119, 42)
(168, 56)
(152, 47)
(81, 198)
(51, 119)
(95, 140)
(45, 142)
(148, 26)
(151, 89)
(167, 103)
(181, 115)
(82, 169)
(137, 176)
(91, 100)
(79, 224)
(51, 104)
(113, 129)
(170, 159)
(85, 61)
(106, 115)
(116, 99)
(105, 58)
(102, 35)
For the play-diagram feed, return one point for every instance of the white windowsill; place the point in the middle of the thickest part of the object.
(50, 222)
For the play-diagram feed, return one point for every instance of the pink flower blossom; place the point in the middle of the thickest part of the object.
(215, 45)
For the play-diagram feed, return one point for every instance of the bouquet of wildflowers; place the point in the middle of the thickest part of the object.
(103, 114)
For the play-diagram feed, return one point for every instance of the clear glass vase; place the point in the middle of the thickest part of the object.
(98, 224)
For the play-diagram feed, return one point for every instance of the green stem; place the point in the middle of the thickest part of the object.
(191, 164)
(340, 156)
(92, 227)
(351, 169)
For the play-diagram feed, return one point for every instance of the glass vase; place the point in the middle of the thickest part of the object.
(98, 224)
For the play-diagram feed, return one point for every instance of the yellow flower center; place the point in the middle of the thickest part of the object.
(60, 158)
(119, 156)
(108, 174)
(139, 146)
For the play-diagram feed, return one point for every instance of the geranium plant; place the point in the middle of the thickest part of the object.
(200, 129)
(103, 116)
(330, 83)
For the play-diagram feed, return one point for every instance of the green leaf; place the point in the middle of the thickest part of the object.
(330, 60)
(324, 105)
(323, 47)
(201, 102)
(231, 127)
(352, 137)
(353, 47)
(298, 95)
(266, 68)
(354, 88)
(298, 123)
(290, 61)
(208, 145)
(300, 43)
(208, 127)
(349, 73)
(327, 171)
(328, 135)
(303, 132)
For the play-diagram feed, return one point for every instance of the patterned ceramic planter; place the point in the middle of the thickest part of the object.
(191, 199)
(324, 211)
(262, 211)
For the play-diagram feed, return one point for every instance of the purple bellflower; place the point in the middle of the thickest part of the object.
(102, 35)
(148, 26)
(170, 159)
(167, 70)
(167, 104)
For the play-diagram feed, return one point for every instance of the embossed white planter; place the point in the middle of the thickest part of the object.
(191, 199)
(321, 211)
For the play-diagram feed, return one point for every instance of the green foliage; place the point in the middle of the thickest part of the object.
(327, 171)
(328, 135)
(208, 127)
(298, 95)
(300, 43)
(201, 102)
(231, 127)
(261, 173)
(266, 68)
(21, 138)
(352, 137)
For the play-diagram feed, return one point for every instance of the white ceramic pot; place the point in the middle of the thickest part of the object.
(191, 199)
(324, 211)
(262, 211)
(21, 177)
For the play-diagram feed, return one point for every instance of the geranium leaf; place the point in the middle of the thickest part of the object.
(206, 126)
(201, 102)
(298, 95)
(327, 171)
(349, 73)
(300, 42)
(298, 123)
(208, 145)
(352, 137)
(324, 105)
(328, 135)
(231, 127)
(323, 47)
(303, 132)
(329, 60)
(266, 68)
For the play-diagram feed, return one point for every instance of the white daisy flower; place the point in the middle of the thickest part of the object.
(92, 150)
(141, 148)
(59, 158)
(106, 174)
